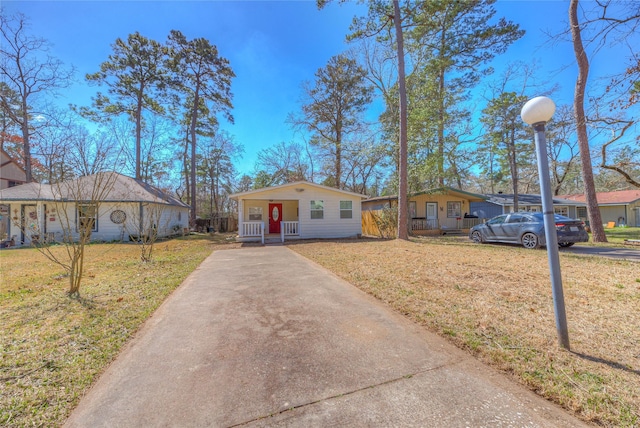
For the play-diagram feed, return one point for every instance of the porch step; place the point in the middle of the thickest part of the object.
(271, 241)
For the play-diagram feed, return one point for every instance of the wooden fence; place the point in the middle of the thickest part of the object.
(380, 223)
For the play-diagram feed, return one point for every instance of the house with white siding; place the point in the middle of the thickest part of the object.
(617, 208)
(120, 208)
(300, 210)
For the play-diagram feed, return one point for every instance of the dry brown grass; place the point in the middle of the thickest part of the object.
(495, 301)
(53, 347)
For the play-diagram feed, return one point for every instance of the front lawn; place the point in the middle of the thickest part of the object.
(495, 301)
(52, 347)
(619, 234)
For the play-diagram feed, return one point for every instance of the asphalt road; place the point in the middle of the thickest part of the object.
(631, 253)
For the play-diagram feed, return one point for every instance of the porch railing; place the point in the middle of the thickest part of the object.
(289, 228)
(253, 228)
(449, 223)
(423, 224)
(468, 223)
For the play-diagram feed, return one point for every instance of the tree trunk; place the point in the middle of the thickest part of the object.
(138, 135)
(514, 170)
(185, 163)
(194, 120)
(338, 165)
(26, 145)
(403, 205)
(441, 116)
(593, 210)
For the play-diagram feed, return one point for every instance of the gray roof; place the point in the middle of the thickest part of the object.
(104, 186)
(435, 191)
(527, 199)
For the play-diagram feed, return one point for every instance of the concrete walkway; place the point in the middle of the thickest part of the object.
(260, 336)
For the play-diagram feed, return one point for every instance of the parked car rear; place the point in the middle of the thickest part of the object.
(527, 229)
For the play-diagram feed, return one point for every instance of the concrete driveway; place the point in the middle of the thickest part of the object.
(260, 336)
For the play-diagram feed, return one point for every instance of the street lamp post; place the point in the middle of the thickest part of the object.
(537, 112)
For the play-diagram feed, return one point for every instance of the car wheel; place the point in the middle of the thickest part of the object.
(530, 240)
(477, 237)
(566, 244)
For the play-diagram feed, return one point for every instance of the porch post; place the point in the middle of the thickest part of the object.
(240, 216)
(42, 225)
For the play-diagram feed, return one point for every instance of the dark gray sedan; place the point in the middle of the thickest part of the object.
(528, 229)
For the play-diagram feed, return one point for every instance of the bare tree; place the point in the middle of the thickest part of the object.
(284, 162)
(593, 210)
(562, 148)
(623, 165)
(28, 71)
(218, 173)
(76, 203)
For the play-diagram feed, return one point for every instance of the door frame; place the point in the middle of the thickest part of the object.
(431, 219)
(25, 232)
(274, 225)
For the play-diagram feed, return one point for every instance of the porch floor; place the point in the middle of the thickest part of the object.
(269, 238)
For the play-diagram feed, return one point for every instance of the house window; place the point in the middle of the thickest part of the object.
(561, 210)
(346, 209)
(255, 213)
(454, 209)
(317, 209)
(582, 212)
(87, 217)
(413, 209)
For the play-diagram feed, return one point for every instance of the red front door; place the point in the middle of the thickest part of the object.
(275, 217)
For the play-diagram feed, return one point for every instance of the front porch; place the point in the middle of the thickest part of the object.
(424, 226)
(273, 218)
(256, 231)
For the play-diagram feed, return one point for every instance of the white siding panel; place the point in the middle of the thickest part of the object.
(331, 226)
(57, 217)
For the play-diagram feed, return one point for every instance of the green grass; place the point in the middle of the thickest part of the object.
(52, 347)
(619, 234)
(495, 301)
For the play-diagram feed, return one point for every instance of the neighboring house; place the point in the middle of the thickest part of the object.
(621, 207)
(120, 208)
(500, 203)
(11, 174)
(300, 210)
(433, 211)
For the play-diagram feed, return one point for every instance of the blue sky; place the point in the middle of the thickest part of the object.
(273, 46)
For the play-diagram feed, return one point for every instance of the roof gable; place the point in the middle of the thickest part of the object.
(296, 185)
